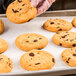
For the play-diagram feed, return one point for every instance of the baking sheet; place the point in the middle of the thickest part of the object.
(35, 26)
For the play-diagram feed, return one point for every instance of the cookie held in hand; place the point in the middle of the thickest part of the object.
(20, 11)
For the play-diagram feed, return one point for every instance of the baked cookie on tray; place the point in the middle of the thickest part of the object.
(3, 45)
(5, 64)
(20, 11)
(65, 39)
(56, 25)
(1, 26)
(69, 56)
(74, 22)
(30, 41)
(37, 60)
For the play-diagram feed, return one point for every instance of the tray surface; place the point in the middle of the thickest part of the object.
(35, 26)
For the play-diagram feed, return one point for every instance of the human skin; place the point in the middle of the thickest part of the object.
(41, 5)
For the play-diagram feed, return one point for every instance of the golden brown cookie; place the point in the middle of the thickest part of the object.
(37, 60)
(65, 39)
(74, 22)
(20, 11)
(30, 41)
(69, 56)
(56, 25)
(5, 64)
(1, 27)
(3, 45)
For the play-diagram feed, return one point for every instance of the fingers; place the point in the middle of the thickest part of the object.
(41, 5)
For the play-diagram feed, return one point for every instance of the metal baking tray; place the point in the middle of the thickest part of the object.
(13, 30)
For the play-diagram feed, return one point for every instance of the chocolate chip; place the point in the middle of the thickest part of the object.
(31, 54)
(19, 1)
(60, 30)
(1, 58)
(64, 36)
(20, 8)
(53, 60)
(60, 44)
(74, 54)
(40, 38)
(35, 40)
(67, 61)
(69, 58)
(37, 63)
(74, 45)
(9, 65)
(15, 11)
(52, 23)
(29, 20)
(27, 41)
(23, 4)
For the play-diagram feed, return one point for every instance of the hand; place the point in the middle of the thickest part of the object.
(41, 5)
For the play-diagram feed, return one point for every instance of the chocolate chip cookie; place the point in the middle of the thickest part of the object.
(20, 11)
(30, 41)
(56, 25)
(69, 56)
(5, 64)
(37, 60)
(65, 39)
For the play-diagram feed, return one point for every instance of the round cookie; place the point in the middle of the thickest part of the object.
(69, 56)
(3, 45)
(1, 27)
(31, 41)
(65, 39)
(5, 64)
(74, 22)
(37, 60)
(56, 25)
(21, 11)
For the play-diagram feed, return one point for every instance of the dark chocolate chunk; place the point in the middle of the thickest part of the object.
(40, 38)
(74, 54)
(60, 44)
(67, 61)
(19, 1)
(69, 58)
(37, 63)
(15, 11)
(53, 60)
(74, 45)
(64, 36)
(52, 23)
(20, 8)
(1, 58)
(23, 4)
(35, 40)
(27, 41)
(31, 54)
(60, 30)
